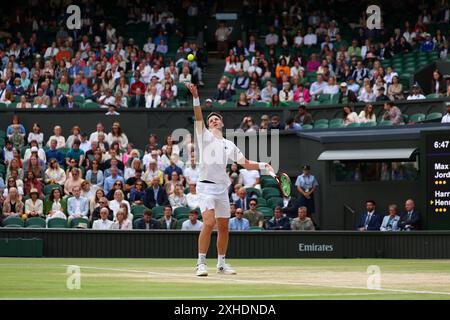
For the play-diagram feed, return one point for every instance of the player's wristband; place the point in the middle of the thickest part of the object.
(262, 166)
(196, 102)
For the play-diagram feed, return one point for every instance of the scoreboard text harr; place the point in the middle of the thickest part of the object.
(438, 173)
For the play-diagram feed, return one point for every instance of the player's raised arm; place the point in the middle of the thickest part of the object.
(253, 165)
(199, 122)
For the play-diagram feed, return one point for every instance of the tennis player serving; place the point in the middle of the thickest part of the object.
(215, 152)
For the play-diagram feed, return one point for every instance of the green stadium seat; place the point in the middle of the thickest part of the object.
(321, 126)
(274, 201)
(324, 98)
(320, 121)
(35, 223)
(417, 117)
(57, 223)
(261, 202)
(3, 105)
(385, 123)
(353, 125)
(256, 229)
(307, 127)
(138, 210)
(266, 212)
(432, 96)
(49, 187)
(270, 192)
(260, 104)
(181, 212)
(313, 103)
(253, 191)
(13, 221)
(268, 181)
(336, 122)
(90, 105)
(76, 221)
(158, 212)
(434, 116)
(368, 124)
(334, 98)
(180, 223)
(79, 100)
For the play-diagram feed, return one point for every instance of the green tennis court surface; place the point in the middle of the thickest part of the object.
(256, 279)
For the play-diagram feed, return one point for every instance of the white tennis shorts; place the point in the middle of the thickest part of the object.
(214, 197)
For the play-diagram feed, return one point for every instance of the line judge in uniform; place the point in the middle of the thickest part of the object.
(307, 186)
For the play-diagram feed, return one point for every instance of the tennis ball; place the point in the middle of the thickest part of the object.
(190, 57)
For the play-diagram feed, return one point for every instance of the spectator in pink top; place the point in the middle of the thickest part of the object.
(301, 94)
(313, 64)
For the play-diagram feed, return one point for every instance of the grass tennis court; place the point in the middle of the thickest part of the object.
(256, 279)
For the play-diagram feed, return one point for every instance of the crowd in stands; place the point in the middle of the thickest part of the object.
(308, 58)
(54, 68)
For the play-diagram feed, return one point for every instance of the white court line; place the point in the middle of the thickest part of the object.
(227, 279)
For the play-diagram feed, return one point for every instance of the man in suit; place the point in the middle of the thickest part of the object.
(168, 222)
(370, 220)
(62, 99)
(155, 195)
(147, 222)
(77, 206)
(279, 221)
(132, 65)
(410, 219)
(70, 104)
(243, 201)
(137, 101)
(290, 206)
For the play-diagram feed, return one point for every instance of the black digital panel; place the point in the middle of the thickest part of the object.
(438, 177)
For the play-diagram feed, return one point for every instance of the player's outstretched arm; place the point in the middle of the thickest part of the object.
(253, 165)
(199, 122)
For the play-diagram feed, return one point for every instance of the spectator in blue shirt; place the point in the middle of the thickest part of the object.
(10, 129)
(109, 182)
(239, 223)
(428, 44)
(293, 126)
(78, 88)
(54, 153)
(279, 221)
(171, 168)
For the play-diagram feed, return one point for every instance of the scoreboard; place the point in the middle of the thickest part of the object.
(437, 177)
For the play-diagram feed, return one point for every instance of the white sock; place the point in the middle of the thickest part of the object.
(221, 260)
(201, 258)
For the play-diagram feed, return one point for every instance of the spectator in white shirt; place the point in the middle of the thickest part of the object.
(36, 135)
(249, 178)
(61, 141)
(367, 95)
(103, 223)
(349, 116)
(271, 37)
(192, 172)
(268, 92)
(389, 75)
(310, 38)
(254, 68)
(121, 222)
(415, 94)
(332, 87)
(149, 47)
(114, 205)
(446, 118)
(185, 76)
(192, 198)
(367, 115)
(298, 39)
(77, 206)
(318, 86)
(192, 224)
(152, 100)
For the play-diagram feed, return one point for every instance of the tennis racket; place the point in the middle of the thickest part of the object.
(284, 183)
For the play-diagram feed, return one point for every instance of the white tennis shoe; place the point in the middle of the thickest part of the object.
(225, 269)
(202, 271)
